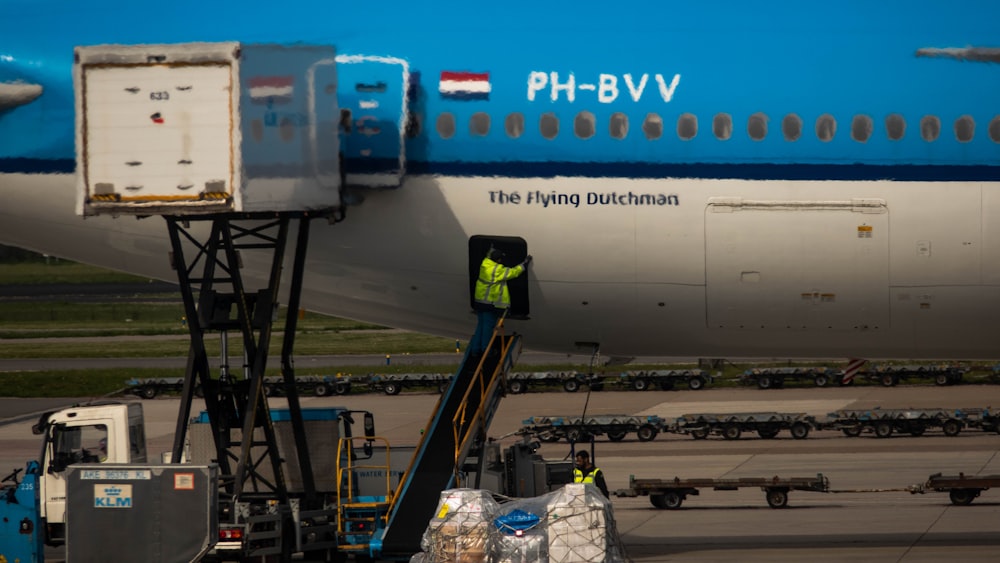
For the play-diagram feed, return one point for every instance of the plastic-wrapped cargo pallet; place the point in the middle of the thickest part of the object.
(572, 525)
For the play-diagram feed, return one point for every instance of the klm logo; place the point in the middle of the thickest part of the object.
(112, 502)
(112, 496)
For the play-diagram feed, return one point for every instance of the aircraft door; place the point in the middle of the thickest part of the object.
(372, 99)
(515, 250)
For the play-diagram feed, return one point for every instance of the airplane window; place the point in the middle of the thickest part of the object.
(995, 129)
(286, 130)
(861, 128)
(930, 128)
(446, 125)
(653, 126)
(479, 124)
(549, 125)
(618, 125)
(584, 125)
(414, 123)
(791, 127)
(514, 125)
(722, 126)
(965, 128)
(687, 126)
(757, 126)
(826, 127)
(895, 126)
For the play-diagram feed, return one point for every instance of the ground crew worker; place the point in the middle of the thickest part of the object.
(585, 472)
(491, 296)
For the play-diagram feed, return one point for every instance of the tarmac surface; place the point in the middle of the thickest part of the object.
(875, 519)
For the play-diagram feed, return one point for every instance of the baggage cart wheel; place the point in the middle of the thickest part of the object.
(821, 380)
(889, 380)
(148, 392)
(571, 385)
(883, 429)
(852, 431)
(764, 382)
(517, 387)
(342, 388)
(670, 499)
(767, 433)
(942, 379)
(731, 431)
(617, 435)
(321, 390)
(800, 430)
(646, 433)
(392, 388)
(951, 427)
(699, 434)
(640, 384)
(963, 497)
(696, 383)
(666, 385)
(777, 498)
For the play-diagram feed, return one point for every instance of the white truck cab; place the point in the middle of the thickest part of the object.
(111, 432)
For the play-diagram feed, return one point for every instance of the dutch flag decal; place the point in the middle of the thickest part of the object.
(465, 85)
(271, 89)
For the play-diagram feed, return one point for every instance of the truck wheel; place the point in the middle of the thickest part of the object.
(764, 382)
(392, 388)
(571, 385)
(617, 435)
(517, 387)
(951, 427)
(342, 388)
(646, 433)
(800, 431)
(963, 497)
(777, 498)
(852, 431)
(731, 431)
(821, 380)
(889, 380)
(883, 429)
(696, 383)
(699, 434)
(321, 390)
(148, 392)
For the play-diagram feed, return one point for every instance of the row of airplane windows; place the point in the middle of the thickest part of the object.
(862, 127)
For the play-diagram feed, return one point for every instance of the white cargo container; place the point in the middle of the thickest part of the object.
(201, 128)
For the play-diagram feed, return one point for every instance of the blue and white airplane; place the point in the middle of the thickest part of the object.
(692, 178)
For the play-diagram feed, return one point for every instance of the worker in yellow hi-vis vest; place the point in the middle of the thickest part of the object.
(491, 296)
(585, 472)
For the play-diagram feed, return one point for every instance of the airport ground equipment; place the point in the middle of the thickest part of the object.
(732, 426)
(884, 422)
(22, 533)
(775, 378)
(581, 428)
(150, 388)
(962, 489)
(570, 381)
(394, 383)
(665, 379)
(891, 375)
(671, 493)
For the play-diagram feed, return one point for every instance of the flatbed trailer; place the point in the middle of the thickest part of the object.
(150, 388)
(393, 384)
(775, 378)
(884, 422)
(570, 381)
(671, 493)
(665, 379)
(891, 375)
(581, 428)
(731, 426)
(962, 489)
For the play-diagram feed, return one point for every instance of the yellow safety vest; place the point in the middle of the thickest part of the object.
(578, 476)
(491, 287)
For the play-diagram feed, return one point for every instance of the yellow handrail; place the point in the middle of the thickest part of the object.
(351, 467)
